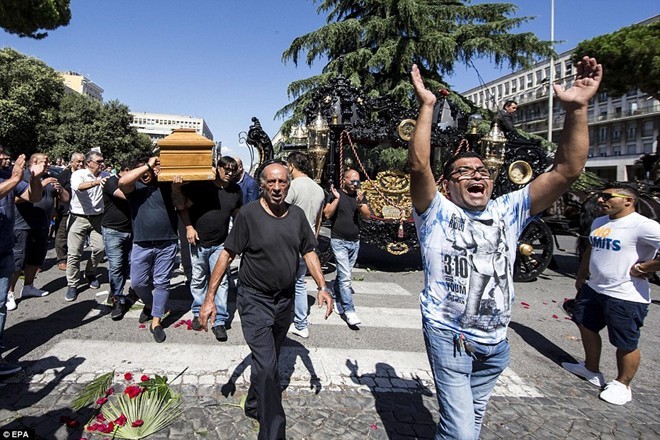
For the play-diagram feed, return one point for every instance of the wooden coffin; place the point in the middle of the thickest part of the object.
(185, 153)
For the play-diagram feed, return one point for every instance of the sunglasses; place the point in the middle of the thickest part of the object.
(607, 196)
(230, 170)
(98, 161)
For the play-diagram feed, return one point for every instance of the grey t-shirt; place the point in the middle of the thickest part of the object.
(308, 196)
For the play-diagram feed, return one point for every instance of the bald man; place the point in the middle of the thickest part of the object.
(269, 234)
(248, 185)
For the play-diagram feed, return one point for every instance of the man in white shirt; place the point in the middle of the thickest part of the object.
(85, 220)
(619, 259)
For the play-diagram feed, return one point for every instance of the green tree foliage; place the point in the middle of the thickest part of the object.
(380, 39)
(86, 123)
(630, 58)
(30, 93)
(27, 17)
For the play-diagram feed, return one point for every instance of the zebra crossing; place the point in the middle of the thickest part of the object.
(335, 364)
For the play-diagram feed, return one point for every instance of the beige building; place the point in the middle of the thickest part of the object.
(159, 125)
(76, 82)
(621, 129)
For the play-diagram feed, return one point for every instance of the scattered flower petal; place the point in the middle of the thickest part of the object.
(137, 423)
(132, 391)
(374, 426)
(554, 301)
(121, 420)
(567, 317)
(101, 400)
(555, 317)
(128, 376)
(524, 304)
(142, 326)
(144, 378)
(110, 392)
(100, 417)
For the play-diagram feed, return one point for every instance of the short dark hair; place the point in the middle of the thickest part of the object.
(449, 165)
(227, 162)
(508, 102)
(300, 161)
(624, 187)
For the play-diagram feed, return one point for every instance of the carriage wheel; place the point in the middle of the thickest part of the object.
(535, 247)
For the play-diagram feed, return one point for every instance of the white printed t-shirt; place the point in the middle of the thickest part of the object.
(468, 261)
(617, 245)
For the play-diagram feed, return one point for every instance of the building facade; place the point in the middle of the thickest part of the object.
(159, 125)
(621, 129)
(75, 82)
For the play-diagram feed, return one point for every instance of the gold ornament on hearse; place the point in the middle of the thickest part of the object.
(492, 150)
(405, 129)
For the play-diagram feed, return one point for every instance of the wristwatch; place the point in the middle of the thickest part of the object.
(325, 288)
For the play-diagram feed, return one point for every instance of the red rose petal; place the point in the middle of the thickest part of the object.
(101, 401)
(128, 376)
(137, 423)
(144, 378)
(524, 304)
(142, 326)
(121, 420)
(555, 317)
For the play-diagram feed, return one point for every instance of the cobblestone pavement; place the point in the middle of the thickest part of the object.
(382, 410)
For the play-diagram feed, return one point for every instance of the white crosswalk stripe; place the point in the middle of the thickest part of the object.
(330, 365)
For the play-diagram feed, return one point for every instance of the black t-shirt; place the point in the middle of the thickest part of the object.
(117, 213)
(345, 220)
(152, 212)
(211, 209)
(65, 182)
(35, 215)
(269, 246)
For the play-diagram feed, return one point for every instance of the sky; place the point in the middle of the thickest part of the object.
(222, 59)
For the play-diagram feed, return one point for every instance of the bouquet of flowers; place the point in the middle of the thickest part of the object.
(141, 409)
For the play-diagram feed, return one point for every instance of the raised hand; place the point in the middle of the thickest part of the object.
(424, 96)
(587, 80)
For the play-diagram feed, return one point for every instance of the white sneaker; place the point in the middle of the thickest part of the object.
(352, 318)
(616, 393)
(304, 333)
(32, 292)
(335, 308)
(11, 301)
(580, 370)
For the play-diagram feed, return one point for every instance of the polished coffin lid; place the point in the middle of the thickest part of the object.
(185, 153)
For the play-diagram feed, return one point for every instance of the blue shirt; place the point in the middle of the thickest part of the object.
(7, 215)
(249, 187)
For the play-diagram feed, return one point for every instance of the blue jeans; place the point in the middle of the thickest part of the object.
(301, 304)
(6, 272)
(346, 253)
(203, 260)
(118, 250)
(151, 266)
(463, 381)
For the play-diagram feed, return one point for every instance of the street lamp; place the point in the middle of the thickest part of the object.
(318, 141)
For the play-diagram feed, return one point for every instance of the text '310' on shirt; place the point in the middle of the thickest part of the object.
(468, 261)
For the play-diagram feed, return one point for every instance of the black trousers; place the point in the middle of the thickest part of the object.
(265, 319)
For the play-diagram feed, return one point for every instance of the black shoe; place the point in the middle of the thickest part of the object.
(158, 332)
(220, 333)
(94, 283)
(71, 294)
(118, 308)
(145, 315)
(195, 324)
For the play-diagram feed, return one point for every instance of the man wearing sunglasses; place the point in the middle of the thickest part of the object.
(206, 208)
(468, 244)
(85, 221)
(613, 289)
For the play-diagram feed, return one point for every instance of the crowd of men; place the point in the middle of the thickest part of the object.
(466, 238)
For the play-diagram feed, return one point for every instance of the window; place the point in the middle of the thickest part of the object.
(506, 88)
(530, 79)
(647, 128)
(602, 134)
(602, 151)
(557, 70)
(631, 149)
(648, 147)
(539, 76)
(632, 93)
(616, 150)
(631, 131)
(616, 133)
(602, 96)
(521, 82)
(514, 86)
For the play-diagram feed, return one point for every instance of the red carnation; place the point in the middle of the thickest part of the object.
(137, 423)
(100, 417)
(144, 378)
(107, 429)
(128, 376)
(110, 392)
(121, 420)
(132, 391)
(101, 400)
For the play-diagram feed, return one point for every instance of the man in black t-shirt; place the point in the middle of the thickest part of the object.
(205, 208)
(77, 163)
(343, 208)
(32, 221)
(154, 239)
(118, 239)
(269, 235)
